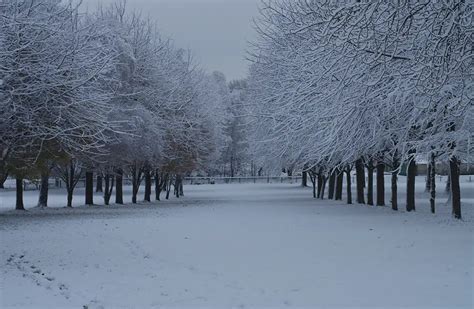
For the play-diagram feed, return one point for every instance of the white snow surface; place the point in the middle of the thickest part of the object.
(237, 246)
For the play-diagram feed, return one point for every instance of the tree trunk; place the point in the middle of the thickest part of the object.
(432, 182)
(43, 194)
(168, 189)
(136, 180)
(70, 193)
(147, 185)
(395, 166)
(428, 177)
(19, 194)
(320, 184)
(380, 184)
(157, 185)
(332, 183)
(304, 179)
(312, 177)
(455, 187)
(71, 184)
(98, 187)
(360, 181)
(411, 175)
(339, 183)
(109, 186)
(348, 185)
(448, 183)
(323, 187)
(370, 183)
(119, 186)
(89, 188)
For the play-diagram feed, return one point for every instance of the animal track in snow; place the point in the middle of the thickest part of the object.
(34, 273)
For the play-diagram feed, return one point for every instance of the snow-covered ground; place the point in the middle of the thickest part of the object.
(241, 246)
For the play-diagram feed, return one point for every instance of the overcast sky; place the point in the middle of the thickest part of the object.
(216, 31)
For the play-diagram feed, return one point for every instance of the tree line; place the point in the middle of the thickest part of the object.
(370, 85)
(102, 95)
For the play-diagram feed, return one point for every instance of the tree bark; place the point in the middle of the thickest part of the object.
(168, 188)
(360, 181)
(320, 184)
(19, 194)
(313, 177)
(98, 187)
(71, 184)
(395, 166)
(43, 194)
(69, 197)
(332, 184)
(432, 182)
(119, 186)
(323, 187)
(109, 186)
(147, 185)
(348, 185)
(380, 184)
(428, 176)
(339, 183)
(455, 187)
(89, 188)
(411, 175)
(136, 180)
(157, 185)
(370, 183)
(304, 179)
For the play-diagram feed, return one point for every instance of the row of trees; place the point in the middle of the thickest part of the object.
(102, 93)
(365, 85)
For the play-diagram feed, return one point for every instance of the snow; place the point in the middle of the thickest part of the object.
(241, 246)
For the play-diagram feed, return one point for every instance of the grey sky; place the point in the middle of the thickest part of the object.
(216, 31)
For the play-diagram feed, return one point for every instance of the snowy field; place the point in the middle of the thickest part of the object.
(240, 246)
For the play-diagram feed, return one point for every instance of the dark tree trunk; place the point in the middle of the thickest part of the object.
(339, 183)
(332, 184)
(19, 194)
(323, 187)
(432, 182)
(43, 194)
(168, 188)
(98, 186)
(304, 179)
(455, 188)
(157, 185)
(136, 180)
(89, 188)
(428, 177)
(380, 184)
(69, 197)
(448, 183)
(147, 186)
(177, 185)
(348, 185)
(313, 177)
(411, 176)
(370, 183)
(109, 186)
(119, 186)
(71, 184)
(395, 166)
(320, 184)
(360, 181)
